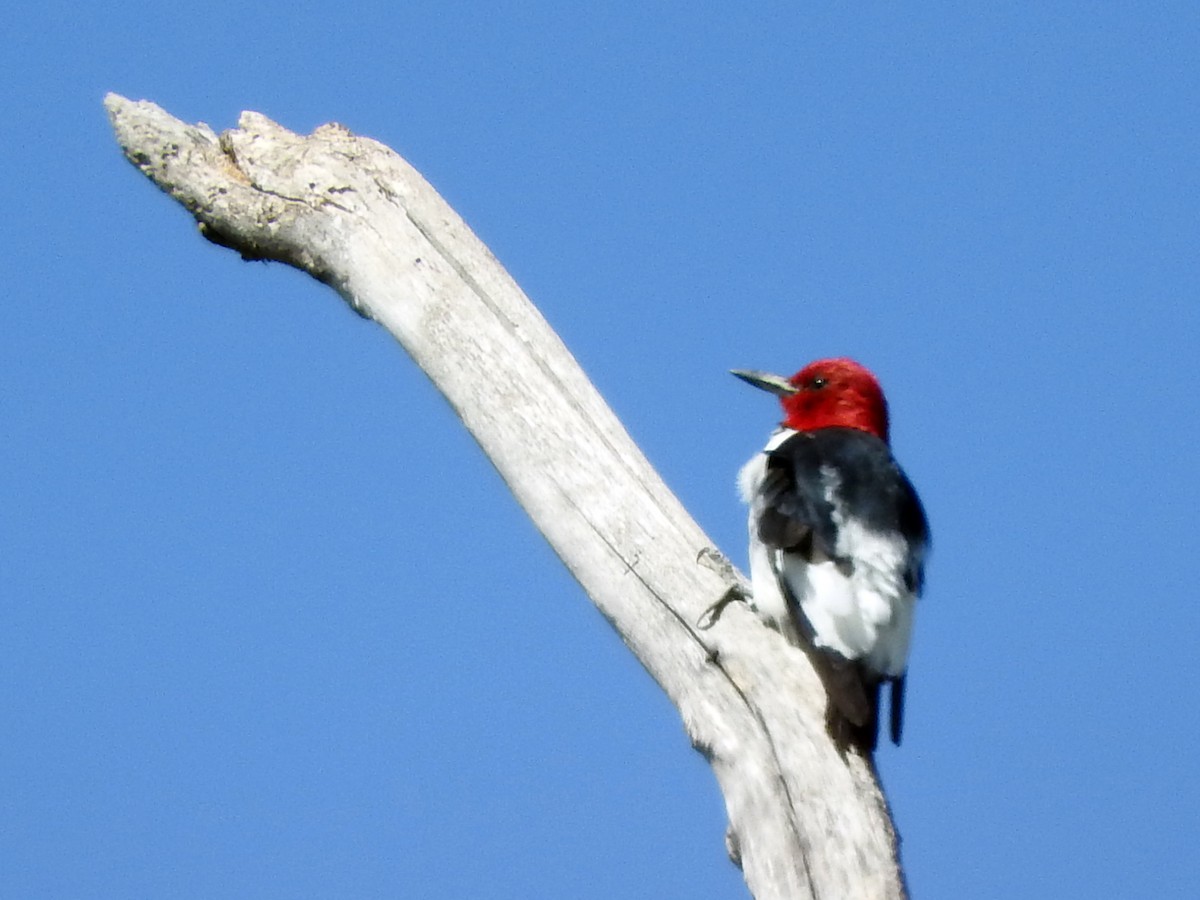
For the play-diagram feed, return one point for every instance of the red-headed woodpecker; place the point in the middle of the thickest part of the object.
(838, 540)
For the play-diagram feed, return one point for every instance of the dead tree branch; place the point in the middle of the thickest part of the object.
(804, 821)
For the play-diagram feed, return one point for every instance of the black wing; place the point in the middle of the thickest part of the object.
(796, 513)
(798, 516)
(874, 490)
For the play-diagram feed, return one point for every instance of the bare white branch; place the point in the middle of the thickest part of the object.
(804, 821)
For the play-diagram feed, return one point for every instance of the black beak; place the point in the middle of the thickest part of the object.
(775, 384)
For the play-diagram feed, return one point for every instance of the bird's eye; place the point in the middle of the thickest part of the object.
(817, 383)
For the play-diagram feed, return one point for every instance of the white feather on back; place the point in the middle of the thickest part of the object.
(863, 611)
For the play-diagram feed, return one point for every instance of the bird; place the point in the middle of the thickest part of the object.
(838, 541)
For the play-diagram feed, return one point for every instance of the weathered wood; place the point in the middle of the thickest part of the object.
(804, 822)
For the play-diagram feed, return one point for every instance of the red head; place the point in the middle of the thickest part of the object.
(828, 393)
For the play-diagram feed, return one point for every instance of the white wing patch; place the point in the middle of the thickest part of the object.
(863, 610)
(864, 613)
(877, 624)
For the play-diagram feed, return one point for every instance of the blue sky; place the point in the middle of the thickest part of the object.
(271, 626)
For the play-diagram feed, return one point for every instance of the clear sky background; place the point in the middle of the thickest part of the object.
(271, 626)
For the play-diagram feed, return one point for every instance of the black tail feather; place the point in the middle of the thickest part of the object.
(897, 708)
(852, 712)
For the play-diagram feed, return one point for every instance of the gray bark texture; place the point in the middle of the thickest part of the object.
(804, 821)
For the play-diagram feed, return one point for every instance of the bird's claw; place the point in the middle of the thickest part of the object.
(712, 613)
